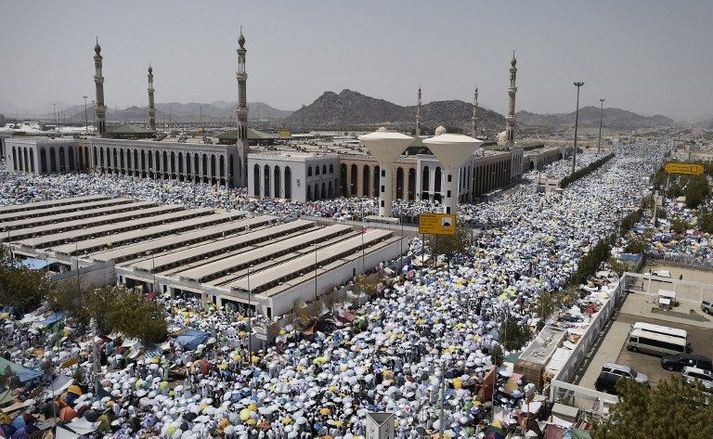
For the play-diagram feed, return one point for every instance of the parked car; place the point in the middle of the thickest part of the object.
(679, 361)
(625, 371)
(707, 306)
(611, 374)
(695, 374)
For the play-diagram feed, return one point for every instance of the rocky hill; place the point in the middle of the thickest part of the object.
(589, 117)
(350, 109)
(181, 112)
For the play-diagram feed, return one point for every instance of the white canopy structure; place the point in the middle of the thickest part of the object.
(452, 151)
(386, 147)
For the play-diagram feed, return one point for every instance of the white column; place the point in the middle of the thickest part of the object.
(450, 200)
(385, 180)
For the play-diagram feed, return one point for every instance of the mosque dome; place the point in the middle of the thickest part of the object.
(440, 130)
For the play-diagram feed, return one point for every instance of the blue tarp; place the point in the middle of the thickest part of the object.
(51, 320)
(23, 374)
(35, 264)
(190, 339)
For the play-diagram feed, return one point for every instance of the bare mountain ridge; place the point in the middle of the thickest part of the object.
(589, 117)
(350, 109)
(177, 111)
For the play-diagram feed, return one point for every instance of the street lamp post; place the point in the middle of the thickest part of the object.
(250, 322)
(576, 123)
(315, 272)
(95, 116)
(601, 121)
(86, 117)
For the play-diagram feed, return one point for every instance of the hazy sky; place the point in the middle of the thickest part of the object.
(649, 56)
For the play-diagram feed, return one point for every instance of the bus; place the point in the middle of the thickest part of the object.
(655, 344)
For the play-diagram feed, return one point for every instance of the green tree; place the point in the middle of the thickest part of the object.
(514, 335)
(679, 225)
(451, 245)
(21, 287)
(697, 191)
(366, 284)
(705, 221)
(497, 355)
(671, 410)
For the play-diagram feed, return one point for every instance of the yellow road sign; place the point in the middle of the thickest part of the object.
(684, 168)
(437, 223)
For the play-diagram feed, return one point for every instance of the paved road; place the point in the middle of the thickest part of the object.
(608, 352)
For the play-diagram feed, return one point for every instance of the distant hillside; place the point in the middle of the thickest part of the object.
(705, 124)
(178, 112)
(589, 117)
(351, 109)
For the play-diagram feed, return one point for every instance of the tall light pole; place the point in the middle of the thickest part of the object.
(576, 123)
(250, 322)
(601, 121)
(86, 117)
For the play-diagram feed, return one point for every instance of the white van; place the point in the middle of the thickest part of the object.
(663, 330)
(655, 344)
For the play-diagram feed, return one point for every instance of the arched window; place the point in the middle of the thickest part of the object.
(412, 184)
(330, 194)
(188, 164)
(366, 173)
(353, 182)
(61, 159)
(205, 165)
(324, 190)
(114, 161)
(70, 158)
(267, 180)
(86, 158)
(343, 180)
(377, 177)
(158, 161)
(256, 180)
(143, 161)
(165, 163)
(173, 163)
(324, 169)
(288, 183)
(121, 159)
(43, 161)
(212, 166)
(96, 161)
(32, 161)
(196, 165)
(309, 171)
(439, 178)
(309, 192)
(400, 183)
(277, 182)
(53, 160)
(316, 170)
(331, 168)
(14, 159)
(221, 166)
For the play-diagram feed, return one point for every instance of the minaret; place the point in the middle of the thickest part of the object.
(152, 109)
(99, 108)
(418, 113)
(510, 118)
(240, 179)
(474, 119)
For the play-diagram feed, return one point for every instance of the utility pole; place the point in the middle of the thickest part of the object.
(576, 123)
(601, 121)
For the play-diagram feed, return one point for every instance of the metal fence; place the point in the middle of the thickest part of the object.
(685, 260)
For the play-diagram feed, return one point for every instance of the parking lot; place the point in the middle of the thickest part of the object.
(639, 308)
